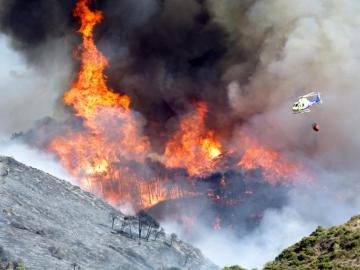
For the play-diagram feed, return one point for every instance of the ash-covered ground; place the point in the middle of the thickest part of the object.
(50, 224)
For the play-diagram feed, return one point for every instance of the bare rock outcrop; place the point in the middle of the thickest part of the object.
(47, 223)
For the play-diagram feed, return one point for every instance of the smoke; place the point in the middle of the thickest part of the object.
(31, 82)
(34, 158)
(304, 46)
(29, 93)
(300, 47)
(329, 201)
(249, 60)
(34, 24)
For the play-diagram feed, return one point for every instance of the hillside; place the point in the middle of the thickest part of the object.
(47, 223)
(334, 248)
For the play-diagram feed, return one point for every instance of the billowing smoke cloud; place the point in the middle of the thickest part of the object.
(34, 158)
(163, 54)
(29, 93)
(301, 47)
(248, 59)
(329, 201)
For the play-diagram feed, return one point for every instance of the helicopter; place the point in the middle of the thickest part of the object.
(304, 103)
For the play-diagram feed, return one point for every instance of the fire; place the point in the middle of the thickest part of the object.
(274, 166)
(108, 153)
(100, 167)
(98, 153)
(89, 92)
(157, 191)
(193, 147)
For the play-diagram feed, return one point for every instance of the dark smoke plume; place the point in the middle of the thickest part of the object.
(33, 24)
(249, 59)
(164, 54)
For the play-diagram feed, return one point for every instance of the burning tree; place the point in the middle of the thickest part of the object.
(106, 151)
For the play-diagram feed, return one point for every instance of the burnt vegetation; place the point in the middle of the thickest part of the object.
(76, 225)
(140, 226)
(173, 49)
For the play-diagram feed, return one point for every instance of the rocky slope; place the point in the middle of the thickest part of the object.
(334, 248)
(47, 223)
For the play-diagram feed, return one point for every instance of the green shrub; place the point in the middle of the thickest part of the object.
(234, 267)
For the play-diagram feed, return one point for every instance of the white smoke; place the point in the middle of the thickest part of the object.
(326, 202)
(34, 158)
(28, 94)
(300, 46)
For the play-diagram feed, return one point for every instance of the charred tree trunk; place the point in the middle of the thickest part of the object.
(131, 231)
(113, 222)
(148, 233)
(140, 227)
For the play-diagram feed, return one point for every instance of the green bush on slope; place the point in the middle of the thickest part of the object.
(12, 265)
(333, 248)
(325, 249)
(234, 267)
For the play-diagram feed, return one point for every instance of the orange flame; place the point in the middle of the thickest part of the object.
(274, 167)
(193, 146)
(111, 133)
(89, 92)
(99, 153)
